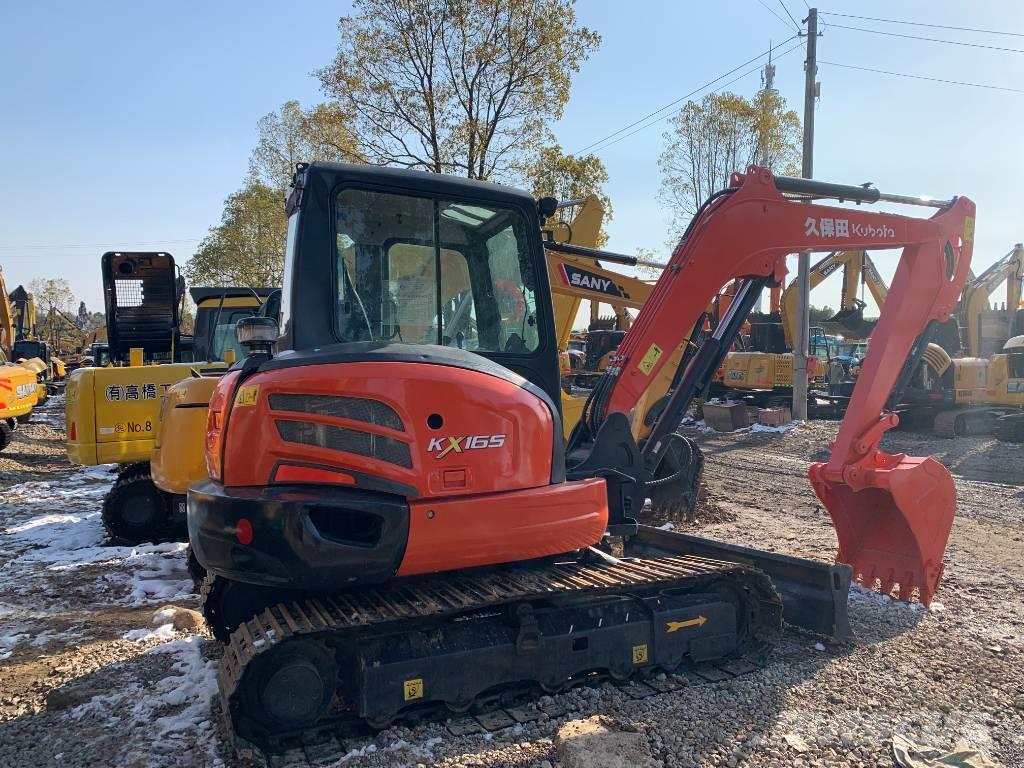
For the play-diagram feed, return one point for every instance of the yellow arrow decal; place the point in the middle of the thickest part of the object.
(674, 625)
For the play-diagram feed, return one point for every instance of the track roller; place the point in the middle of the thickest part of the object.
(290, 689)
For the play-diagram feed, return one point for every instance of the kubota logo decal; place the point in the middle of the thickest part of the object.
(446, 445)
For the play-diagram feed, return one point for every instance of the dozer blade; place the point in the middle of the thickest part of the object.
(893, 526)
(814, 594)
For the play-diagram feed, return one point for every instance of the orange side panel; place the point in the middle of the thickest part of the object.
(495, 437)
(463, 532)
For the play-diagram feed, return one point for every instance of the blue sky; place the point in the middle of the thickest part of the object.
(126, 124)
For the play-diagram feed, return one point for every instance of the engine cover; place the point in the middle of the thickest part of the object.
(420, 430)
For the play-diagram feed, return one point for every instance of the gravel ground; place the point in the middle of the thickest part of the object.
(101, 663)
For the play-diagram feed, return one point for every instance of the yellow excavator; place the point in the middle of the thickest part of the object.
(18, 389)
(984, 329)
(30, 347)
(113, 413)
(977, 394)
(767, 375)
(858, 269)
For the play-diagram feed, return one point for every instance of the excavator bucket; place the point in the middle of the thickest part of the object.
(893, 534)
(851, 322)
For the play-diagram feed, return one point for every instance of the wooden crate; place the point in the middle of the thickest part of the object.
(726, 417)
(774, 417)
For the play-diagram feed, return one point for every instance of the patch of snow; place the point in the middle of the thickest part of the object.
(61, 532)
(858, 592)
(160, 616)
(9, 641)
(819, 647)
(700, 426)
(49, 636)
(163, 632)
(189, 692)
(666, 527)
(780, 429)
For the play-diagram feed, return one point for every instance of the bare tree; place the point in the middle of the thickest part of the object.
(293, 135)
(247, 247)
(456, 86)
(722, 133)
(568, 177)
(54, 301)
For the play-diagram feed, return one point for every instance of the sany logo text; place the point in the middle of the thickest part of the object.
(446, 445)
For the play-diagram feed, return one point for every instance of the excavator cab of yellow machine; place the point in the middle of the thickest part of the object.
(391, 516)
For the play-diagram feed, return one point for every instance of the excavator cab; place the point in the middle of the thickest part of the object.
(141, 298)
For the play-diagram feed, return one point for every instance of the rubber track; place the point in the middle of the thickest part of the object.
(457, 593)
(5, 434)
(945, 423)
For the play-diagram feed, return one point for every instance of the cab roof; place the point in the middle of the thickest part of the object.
(423, 182)
(232, 292)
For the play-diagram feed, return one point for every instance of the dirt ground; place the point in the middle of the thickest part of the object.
(101, 663)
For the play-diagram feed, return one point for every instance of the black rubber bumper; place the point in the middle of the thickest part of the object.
(301, 537)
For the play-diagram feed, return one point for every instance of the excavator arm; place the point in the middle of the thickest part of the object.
(745, 232)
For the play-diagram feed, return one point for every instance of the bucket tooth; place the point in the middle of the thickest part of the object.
(906, 589)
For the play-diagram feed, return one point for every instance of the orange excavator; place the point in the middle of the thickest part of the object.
(393, 526)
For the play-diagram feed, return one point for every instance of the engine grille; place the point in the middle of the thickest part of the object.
(353, 408)
(348, 440)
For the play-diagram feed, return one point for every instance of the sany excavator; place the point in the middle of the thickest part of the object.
(858, 269)
(29, 349)
(393, 525)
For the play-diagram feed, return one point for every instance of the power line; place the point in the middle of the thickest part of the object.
(790, 16)
(773, 13)
(927, 39)
(723, 85)
(924, 24)
(923, 77)
(681, 98)
(38, 247)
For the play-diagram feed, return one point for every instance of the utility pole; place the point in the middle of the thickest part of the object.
(767, 87)
(803, 295)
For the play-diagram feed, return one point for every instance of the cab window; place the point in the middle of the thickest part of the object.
(424, 271)
(215, 332)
